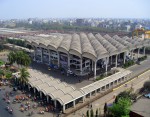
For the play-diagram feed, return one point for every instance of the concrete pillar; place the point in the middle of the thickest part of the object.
(90, 94)
(95, 92)
(92, 65)
(107, 60)
(55, 105)
(68, 61)
(81, 66)
(117, 82)
(144, 51)
(49, 56)
(124, 58)
(34, 54)
(40, 94)
(95, 70)
(138, 53)
(47, 97)
(111, 60)
(28, 87)
(74, 103)
(106, 67)
(105, 88)
(116, 60)
(131, 54)
(109, 86)
(64, 108)
(83, 99)
(58, 59)
(34, 90)
(41, 55)
(119, 56)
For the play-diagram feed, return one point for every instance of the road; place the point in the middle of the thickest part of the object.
(136, 83)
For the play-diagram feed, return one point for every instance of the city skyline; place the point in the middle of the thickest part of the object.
(16, 9)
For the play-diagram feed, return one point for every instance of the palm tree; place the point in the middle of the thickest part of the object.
(24, 75)
(11, 57)
(19, 57)
(26, 60)
(22, 58)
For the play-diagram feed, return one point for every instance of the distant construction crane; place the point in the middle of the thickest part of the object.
(141, 31)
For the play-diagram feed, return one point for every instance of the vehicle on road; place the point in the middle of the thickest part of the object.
(15, 88)
(147, 95)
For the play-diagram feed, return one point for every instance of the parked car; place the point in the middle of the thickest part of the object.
(147, 95)
(15, 88)
(69, 72)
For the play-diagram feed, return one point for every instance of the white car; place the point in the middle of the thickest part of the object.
(69, 72)
(147, 95)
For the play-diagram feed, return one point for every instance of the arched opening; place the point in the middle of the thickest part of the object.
(69, 105)
(38, 54)
(45, 55)
(63, 60)
(54, 59)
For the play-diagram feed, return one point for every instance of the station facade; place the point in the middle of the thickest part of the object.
(85, 53)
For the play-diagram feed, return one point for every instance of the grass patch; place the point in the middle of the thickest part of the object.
(128, 63)
(142, 58)
(2, 62)
(106, 75)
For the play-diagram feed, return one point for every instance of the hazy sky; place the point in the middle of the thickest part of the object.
(74, 8)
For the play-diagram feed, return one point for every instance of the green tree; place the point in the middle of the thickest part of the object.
(96, 113)
(24, 75)
(116, 99)
(87, 113)
(127, 94)
(11, 57)
(105, 109)
(20, 57)
(122, 108)
(23, 59)
(91, 113)
(2, 73)
(26, 60)
(8, 75)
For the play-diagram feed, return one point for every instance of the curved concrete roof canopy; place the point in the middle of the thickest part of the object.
(98, 47)
(119, 46)
(112, 50)
(124, 42)
(90, 46)
(87, 48)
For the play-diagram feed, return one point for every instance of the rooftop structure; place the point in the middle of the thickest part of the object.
(84, 52)
(64, 94)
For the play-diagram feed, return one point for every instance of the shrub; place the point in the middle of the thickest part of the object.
(8, 74)
(87, 113)
(2, 62)
(142, 58)
(122, 108)
(128, 64)
(91, 113)
(96, 113)
(147, 85)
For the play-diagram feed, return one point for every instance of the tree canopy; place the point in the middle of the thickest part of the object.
(126, 94)
(24, 75)
(17, 42)
(19, 57)
(121, 108)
